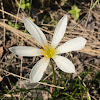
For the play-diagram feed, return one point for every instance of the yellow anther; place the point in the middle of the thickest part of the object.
(52, 50)
(49, 46)
(48, 51)
(45, 46)
(43, 50)
(44, 54)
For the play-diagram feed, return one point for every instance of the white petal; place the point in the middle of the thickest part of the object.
(72, 45)
(59, 31)
(25, 51)
(38, 70)
(34, 30)
(64, 64)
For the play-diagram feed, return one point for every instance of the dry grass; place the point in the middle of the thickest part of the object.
(92, 47)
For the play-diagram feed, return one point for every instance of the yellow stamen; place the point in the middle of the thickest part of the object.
(43, 50)
(45, 46)
(48, 51)
(52, 50)
(49, 46)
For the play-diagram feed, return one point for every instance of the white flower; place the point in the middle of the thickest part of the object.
(49, 51)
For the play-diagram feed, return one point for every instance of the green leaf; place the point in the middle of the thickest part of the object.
(75, 12)
(22, 2)
(23, 6)
(28, 5)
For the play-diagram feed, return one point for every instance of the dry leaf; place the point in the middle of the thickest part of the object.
(1, 51)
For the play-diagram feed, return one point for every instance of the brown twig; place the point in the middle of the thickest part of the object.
(4, 30)
(37, 82)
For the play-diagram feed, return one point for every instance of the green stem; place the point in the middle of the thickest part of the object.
(53, 72)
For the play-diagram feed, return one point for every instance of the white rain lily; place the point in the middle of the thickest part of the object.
(49, 51)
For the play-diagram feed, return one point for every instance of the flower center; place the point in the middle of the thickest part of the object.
(48, 51)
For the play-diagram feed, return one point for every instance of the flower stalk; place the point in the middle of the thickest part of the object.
(54, 76)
